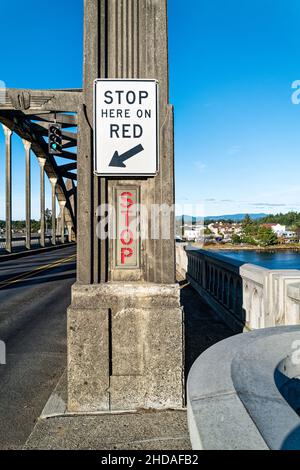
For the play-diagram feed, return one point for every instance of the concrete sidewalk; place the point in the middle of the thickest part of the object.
(165, 430)
(143, 430)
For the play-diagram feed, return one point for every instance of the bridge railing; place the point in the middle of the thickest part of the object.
(243, 295)
(267, 297)
(19, 242)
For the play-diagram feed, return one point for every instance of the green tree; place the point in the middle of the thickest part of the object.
(236, 239)
(35, 226)
(291, 219)
(250, 227)
(247, 221)
(266, 236)
(248, 240)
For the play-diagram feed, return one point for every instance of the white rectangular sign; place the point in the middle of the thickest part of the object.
(126, 127)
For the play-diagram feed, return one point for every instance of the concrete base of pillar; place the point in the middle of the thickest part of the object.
(125, 348)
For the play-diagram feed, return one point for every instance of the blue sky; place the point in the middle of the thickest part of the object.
(41, 48)
(232, 63)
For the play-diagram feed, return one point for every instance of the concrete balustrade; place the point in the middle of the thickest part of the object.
(243, 295)
(217, 280)
(293, 302)
(266, 298)
(181, 260)
(243, 392)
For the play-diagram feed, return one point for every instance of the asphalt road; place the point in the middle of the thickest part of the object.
(34, 295)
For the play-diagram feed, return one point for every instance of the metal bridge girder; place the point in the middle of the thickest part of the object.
(28, 113)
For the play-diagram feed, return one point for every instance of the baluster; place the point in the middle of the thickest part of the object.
(223, 288)
(219, 284)
(216, 282)
(230, 293)
(234, 296)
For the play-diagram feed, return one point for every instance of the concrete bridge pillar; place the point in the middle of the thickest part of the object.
(27, 146)
(125, 345)
(62, 205)
(8, 195)
(42, 162)
(53, 182)
(69, 227)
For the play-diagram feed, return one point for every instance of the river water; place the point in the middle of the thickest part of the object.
(281, 259)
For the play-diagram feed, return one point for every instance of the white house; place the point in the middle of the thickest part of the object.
(289, 234)
(194, 233)
(278, 229)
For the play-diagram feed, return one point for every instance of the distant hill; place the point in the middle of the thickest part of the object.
(235, 217)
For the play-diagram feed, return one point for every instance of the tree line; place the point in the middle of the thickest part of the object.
(20, 225)
(291, 220)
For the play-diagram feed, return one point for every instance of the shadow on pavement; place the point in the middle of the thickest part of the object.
(203, 328)
(65, 271)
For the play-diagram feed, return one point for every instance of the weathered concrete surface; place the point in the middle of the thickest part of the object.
(160, 430)
(125, 347)
(88, 359)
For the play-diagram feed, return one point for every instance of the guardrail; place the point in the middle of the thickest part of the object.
(20, 242)
(243, 295)
(23, 238)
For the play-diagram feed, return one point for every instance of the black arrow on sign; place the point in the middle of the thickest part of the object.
(118, 160)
